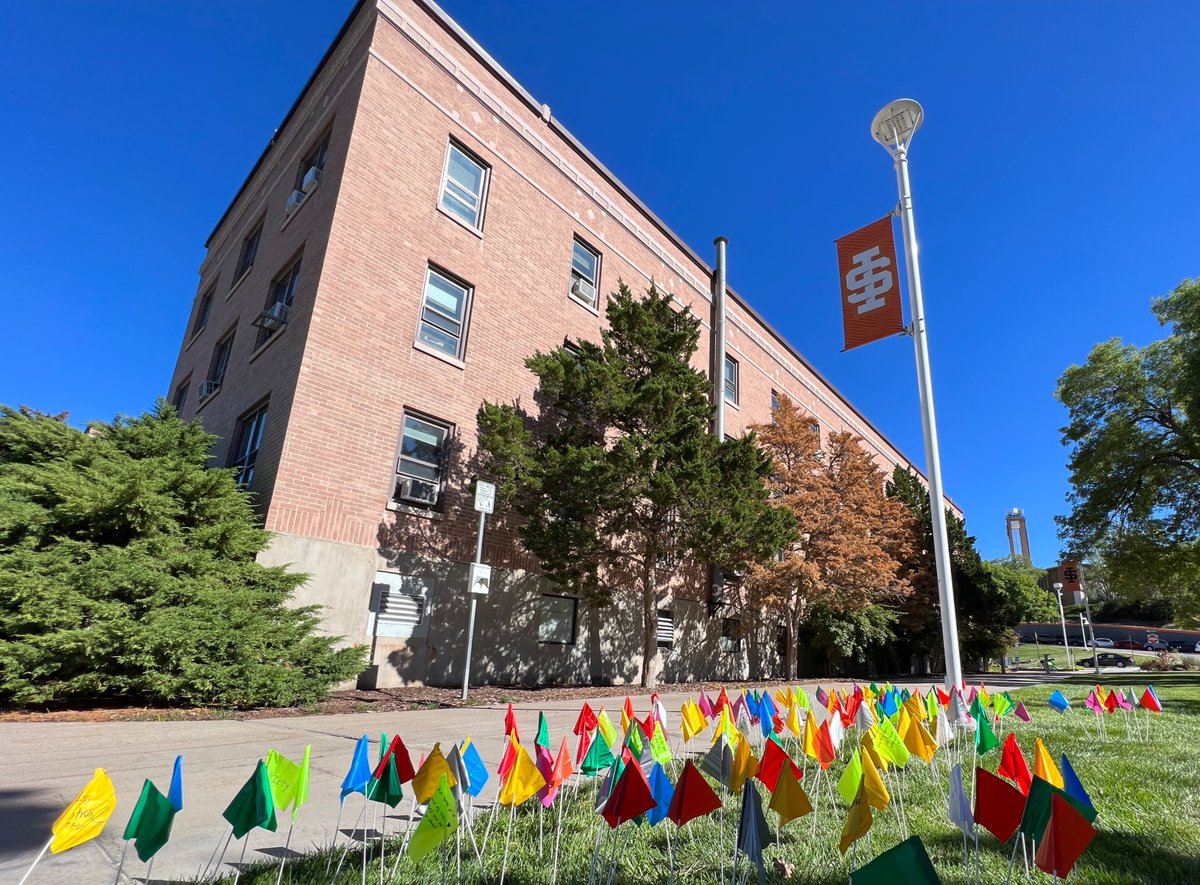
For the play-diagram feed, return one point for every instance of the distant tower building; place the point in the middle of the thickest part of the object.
(1018, 540)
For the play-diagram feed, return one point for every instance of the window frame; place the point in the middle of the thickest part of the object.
(468, 298)
(444, 192)
(179, 397)
(203, 311)
(439, 469)
(669, 615)
(249, 425)
(727, 378)
(576, 275)
(574, 619)
(225, 342)
(243, 266)
(288, 278)
(316, 155)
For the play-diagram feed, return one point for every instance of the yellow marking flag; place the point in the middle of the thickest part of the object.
(85, 817)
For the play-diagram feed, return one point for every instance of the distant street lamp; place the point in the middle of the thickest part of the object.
(1095, 651)
(1063, 619)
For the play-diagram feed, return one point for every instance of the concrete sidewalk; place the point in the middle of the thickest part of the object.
(45, 764)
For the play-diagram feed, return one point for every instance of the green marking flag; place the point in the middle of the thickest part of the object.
(150, 824)
(439, 821)
(543, 732)
(903, 864)
(985, 738)
(252, 806)
(1038, 805)
(598, 758)
(385, 783)
(847, 785)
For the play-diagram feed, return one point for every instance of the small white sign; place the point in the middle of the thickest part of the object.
(485, 496)
(481, 578)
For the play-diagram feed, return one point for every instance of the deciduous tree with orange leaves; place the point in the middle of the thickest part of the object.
(852, 537)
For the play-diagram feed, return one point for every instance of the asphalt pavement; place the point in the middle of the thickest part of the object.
(44, 765)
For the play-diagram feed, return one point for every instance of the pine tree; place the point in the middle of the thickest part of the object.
(127, 570)
(852, 538)
(619, 470)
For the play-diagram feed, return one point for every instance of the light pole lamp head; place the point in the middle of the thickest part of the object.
(896, 123)
(1057, 587)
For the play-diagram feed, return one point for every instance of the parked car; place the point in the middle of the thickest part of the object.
(1101, 642)
(1076, 641)
(1129, 643)
(1179, 645)
(1049, 639)
(1158, 645)
(1108, 659)
(1026, 638)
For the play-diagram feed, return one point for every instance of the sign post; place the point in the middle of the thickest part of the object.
(481, 575)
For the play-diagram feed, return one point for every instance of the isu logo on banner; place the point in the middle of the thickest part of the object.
(870, 289)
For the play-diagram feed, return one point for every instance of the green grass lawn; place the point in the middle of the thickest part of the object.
(1147, 793)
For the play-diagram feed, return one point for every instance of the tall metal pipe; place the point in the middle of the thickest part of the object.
(718, 339)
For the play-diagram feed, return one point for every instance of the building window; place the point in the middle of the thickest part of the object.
(202, 311)
(666, 628)
(279, 303)
(774, 402)
(444, 314)
(731, 636)
(179, 399)
(585, 273)
(248, 254)
(419, 466)
(218, 365)
(247, 439)
(399, 605)
(556, 619)
(464, 186)
(306, 178)
(731, 380)
(815, 427)
(665, 558)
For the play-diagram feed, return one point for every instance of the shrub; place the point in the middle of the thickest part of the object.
(128, 571)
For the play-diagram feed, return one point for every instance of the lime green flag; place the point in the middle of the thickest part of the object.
(606, 727)
(658, 746)
(439, 821)
(1001, 704)
(543, 732)
(302, 782)
(985, 738)
(847, 785)
(931, 705)
(285, 777)
(634, 739)
(890, 744)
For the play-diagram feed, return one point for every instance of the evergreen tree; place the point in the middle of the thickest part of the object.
(851, 539)
(127, 570)
(619, 472)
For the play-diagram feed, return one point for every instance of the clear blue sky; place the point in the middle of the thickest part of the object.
(1055, 183)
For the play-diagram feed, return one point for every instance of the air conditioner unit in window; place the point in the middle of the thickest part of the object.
(294, 201)
(207, 388)
(273, 318)
(417, 491)
(583, 290)
(311, 178)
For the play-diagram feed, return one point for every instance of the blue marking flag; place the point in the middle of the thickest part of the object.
(1058, 702)
(175, 793)
(662, 791)
(359, 775)
(476, 772)
(1071, 783)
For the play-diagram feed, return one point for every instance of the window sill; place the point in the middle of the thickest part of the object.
(469, 228)
(397, 507)
(194, 338)
(555, 642)
(258, 350)
(208, 399)
(589, 308)
(238, 282)
(307, 199)
(437, 354)
(733, 405)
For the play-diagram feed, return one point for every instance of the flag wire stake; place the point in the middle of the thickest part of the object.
(282, 857)
(121, 865)
(35, 861)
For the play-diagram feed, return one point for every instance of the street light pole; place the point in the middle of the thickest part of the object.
(1092, 627)
(1063, 619)
(893, 127)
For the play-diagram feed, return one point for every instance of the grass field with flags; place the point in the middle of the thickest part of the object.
(873, 786)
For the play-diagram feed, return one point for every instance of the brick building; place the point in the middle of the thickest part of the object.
(418, 225)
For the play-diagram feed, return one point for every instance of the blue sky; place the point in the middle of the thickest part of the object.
(1054, 179)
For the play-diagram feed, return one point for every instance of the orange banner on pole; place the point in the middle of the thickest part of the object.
(870, 284)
